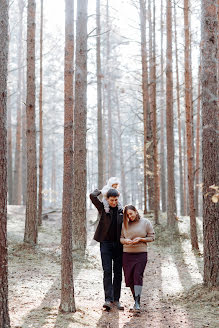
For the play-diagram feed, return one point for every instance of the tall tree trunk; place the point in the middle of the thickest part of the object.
(53, 176)
(99, 101)
(179, 121)
(109, 106)
(171, 205)
(210, 143)
(9, 161)
(24, 144)
(154, 111)
(197, 158)
(185, 174)
(189, 134)
(150, 177)
(162, 115)
(145, 94)
(30, 234)
(17, 189)
(121, 152)
(4, 315)
(67, 283)
(40, 196)
(80, 118)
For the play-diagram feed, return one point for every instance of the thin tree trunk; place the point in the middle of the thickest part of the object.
(67, 283)
(121, 152)
(185, 174)
(162, 136)
(109, 109)
(80, 118)
(24, 144)
(53, 176)
(4, 314)
(99, 101)
(17, 181)
(210, 144)
(9, 162)
(171, 205)
(189, 134)
(30, 234)
(40, 197)
(197, 158)
(144, 91)
(179, 121)
(150, 177)
(154, 111)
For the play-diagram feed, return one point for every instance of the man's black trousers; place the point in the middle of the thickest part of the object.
(111, 256)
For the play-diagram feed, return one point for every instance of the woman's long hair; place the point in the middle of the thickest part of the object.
(125, 215)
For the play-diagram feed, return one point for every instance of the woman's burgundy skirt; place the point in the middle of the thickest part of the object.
(133, 266)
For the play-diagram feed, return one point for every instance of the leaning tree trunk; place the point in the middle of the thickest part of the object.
(210, 143)
(30, 234)
(189, 134)
(171, 205)
(80, 118)
(4, 315)
(40, 195)
(99, 102)
(67, 289)
(145, 94)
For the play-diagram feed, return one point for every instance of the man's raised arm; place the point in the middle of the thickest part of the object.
(95, 200)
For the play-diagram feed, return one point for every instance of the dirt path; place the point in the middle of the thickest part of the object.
(167, 300)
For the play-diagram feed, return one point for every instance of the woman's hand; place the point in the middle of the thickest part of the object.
(136, 240)
(128, 241)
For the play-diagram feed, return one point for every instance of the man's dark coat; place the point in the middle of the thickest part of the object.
(105, 218)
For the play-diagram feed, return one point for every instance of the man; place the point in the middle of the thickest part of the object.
(108, 234)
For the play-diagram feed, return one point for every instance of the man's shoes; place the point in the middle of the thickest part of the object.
(107, 305)
(119, 305)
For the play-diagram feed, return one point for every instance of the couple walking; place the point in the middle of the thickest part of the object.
(123, 237)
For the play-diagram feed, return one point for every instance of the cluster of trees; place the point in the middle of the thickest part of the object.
(142, 115)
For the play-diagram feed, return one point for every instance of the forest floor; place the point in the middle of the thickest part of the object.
(173, 295)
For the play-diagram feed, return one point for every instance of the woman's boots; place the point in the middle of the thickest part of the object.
(137, 289)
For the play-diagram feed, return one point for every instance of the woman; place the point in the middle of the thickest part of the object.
(136, 233)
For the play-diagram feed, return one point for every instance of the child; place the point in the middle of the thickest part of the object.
(112, 183)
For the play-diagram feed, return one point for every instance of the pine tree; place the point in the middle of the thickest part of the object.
(4, 315)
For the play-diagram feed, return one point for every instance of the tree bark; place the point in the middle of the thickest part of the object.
(154, 111)
(40, 196)
(210, 143)
(30, 234)
(189, 134)
(9, 157)
(197, 158)
(109, 103)
(121, 152)
(99, 101)
(181, 186)
(67, 283)
(4, 315)
(145, 94)
(171, 201)
(17, 180)
(162, 115)
(80, 118)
